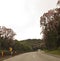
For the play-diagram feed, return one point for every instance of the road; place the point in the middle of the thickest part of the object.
(33, 56)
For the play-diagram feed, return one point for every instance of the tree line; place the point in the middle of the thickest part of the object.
(50, 23)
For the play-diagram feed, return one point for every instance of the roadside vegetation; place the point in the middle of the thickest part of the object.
(53, 52)
(50, 24)
(11, 47)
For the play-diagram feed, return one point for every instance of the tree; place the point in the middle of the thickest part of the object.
(58, 4)
(50, 23)
(6, 37)
(6, 32)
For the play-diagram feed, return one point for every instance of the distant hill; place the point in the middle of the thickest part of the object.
(33, 43)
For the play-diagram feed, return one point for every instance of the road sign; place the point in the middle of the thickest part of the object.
(10, 49)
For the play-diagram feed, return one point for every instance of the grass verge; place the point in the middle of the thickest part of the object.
(54, 52)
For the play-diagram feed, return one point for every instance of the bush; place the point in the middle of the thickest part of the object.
(6, 52)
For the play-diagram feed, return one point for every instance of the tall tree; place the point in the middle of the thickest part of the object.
(6, 37)
(58, 4)
(6, 32)
(50, 23)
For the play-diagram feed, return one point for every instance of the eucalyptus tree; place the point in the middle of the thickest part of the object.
(6, 37)
(50, 23)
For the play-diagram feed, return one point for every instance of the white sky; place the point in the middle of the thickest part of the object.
(23, 16)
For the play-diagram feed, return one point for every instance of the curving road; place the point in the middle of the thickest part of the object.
(33, 56)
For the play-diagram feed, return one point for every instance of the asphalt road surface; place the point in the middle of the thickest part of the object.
(33, 56)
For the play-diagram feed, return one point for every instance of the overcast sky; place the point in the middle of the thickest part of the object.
(23, 16)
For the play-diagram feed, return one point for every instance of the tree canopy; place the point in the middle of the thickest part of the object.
(50, 23)
(6, 37)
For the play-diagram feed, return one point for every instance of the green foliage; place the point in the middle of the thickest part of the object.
(34, 44)
(6, 41)
(6, 38)
(26, 48)
(27, 45)
(6, 52)
(50, 23)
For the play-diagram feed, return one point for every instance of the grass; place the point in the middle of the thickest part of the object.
(55, 52)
